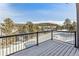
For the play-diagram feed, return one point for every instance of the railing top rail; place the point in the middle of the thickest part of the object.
(35, 33)
(23, 34)
(67, 31)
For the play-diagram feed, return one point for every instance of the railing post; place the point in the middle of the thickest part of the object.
(37, 38)
(51, 34)
(75, 38)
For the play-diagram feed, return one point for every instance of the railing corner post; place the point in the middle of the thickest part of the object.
(37, 38)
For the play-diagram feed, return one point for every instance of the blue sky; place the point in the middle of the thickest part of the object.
(38, 12)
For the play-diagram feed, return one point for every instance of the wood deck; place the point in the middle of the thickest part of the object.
(50, 48)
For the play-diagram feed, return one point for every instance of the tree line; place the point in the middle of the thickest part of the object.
(8, 27)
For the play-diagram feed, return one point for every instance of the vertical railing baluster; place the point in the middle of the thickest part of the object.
(13, 44)
(22, 42)
(6, 45)
(51, 34)
(10, 47)
(2, 48)
(16, 43)
(37, 38)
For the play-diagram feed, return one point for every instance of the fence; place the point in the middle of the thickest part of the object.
(15, 43)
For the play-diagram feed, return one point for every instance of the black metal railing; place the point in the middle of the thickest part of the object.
(15, 43)
(65, 36)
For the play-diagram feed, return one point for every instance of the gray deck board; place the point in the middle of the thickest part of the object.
(73, 52)
(57, 50)
(50, 48)
(77, 52)
(69, 51)
(65, 48)
(62, 53)
(49, 51)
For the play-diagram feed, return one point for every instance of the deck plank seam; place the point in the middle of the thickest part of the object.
(59, 49)
(56, 49)
(66, 51)
(46, 51)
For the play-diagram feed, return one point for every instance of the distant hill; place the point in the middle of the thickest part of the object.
(46, 24)
(39, 24)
